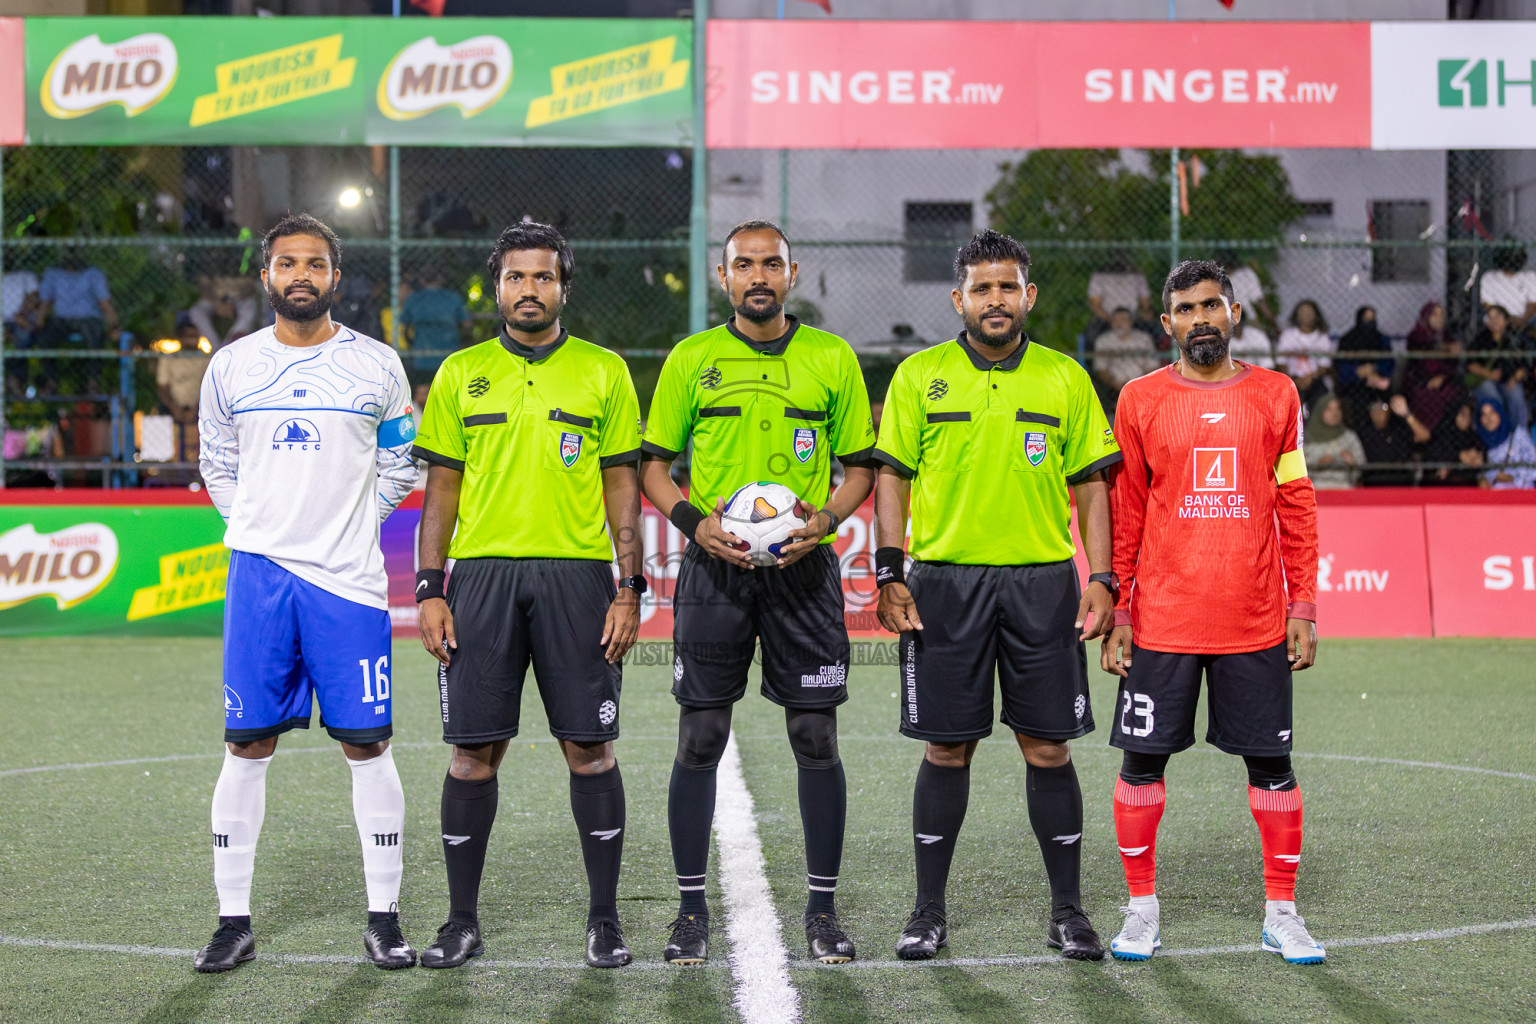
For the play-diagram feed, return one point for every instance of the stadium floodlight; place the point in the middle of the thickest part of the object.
(350, 197)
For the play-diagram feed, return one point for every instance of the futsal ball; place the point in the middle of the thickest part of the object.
(762, 515)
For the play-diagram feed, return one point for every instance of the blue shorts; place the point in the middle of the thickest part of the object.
(285, 639)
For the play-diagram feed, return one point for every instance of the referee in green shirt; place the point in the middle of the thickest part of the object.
(533, 439)
(761, 397)
(982, 437)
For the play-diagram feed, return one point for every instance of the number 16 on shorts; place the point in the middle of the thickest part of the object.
(376, 684)
(1136, 714)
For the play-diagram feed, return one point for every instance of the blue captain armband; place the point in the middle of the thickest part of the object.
(396, 432)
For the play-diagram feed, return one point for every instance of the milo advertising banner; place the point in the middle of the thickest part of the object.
(112, 568)
(342, 81)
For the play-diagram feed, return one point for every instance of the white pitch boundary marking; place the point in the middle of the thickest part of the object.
(1397, 938)
(759, 961)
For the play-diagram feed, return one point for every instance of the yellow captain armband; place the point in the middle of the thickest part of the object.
(1290, 466)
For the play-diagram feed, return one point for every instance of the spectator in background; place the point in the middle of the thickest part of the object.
(1248, 290)
(1455, 440)
(76, 307)
(419, 395)
(1119, 284)
(1303, 351)
(178, 379)
(1251, 344)
(434, 318)
(1507, 283)
(1501, 376)
(231, 300)
(1433, 385)
(1333, 451)
(1390, 435)
(1363, 382)
(21, 318)
(1507, 449)
(1120, 355)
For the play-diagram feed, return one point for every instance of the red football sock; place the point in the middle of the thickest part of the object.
(1138, 809)
(1278, 814)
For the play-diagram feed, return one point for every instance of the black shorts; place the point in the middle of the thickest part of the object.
(719, 611)
(1014, 621)
(1249, 710)
(508, 611)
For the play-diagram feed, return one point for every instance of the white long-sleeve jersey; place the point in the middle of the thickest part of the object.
(305, 451)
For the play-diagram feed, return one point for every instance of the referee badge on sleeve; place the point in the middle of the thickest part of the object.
(1034, 447)
(805, 443)
(570, 447)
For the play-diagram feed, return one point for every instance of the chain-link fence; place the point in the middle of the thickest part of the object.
(124, 268)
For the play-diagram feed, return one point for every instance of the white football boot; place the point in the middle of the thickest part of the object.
(1286, 933)
(1142, 933)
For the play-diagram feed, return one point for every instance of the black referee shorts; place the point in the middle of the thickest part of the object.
(508, 612)
(719, 611)
(1014, 621)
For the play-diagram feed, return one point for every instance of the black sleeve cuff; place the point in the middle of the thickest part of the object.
(656, 451)
(1083, 474)
(862, 459)
(629, 458)
(906, 471)
(426, 454)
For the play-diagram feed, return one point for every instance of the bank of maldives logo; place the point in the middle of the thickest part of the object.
(1464, 82)
(296, 435)
(90, 74)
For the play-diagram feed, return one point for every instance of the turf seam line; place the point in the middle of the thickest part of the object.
(759, 961)
(1396, 938)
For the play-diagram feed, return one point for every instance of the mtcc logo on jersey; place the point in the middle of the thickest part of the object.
(297, 435)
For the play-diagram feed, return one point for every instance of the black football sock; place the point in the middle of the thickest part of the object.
(823, 816)
(690, 813)
(597, 803)
(469, 811)
(939, 801)
(1056, 814)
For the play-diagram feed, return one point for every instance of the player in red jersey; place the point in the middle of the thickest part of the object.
(1215, 546)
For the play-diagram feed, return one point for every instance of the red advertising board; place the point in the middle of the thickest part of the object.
(1372, 573)
(13, 82)
(1482, 562)
(1020, 85)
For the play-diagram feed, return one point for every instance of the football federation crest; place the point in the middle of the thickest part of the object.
(1034, 447)
(570, 447)
(805, 443)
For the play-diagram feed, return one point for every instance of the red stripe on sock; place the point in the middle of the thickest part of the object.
(1138, 810)
(1278, 815)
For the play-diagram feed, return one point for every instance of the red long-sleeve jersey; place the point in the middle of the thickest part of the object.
(1212, 500)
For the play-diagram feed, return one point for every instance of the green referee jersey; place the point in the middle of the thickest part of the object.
(990, 449)
(531, 430)
(774, 411)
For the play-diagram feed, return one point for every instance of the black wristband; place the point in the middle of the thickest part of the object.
(833, 519)
(890, 566)
(686, 518)
(429, 584)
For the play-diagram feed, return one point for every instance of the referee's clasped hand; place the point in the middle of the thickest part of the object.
(622, 626)
(805, 539)
(897, 611)
(435, 622)
(717, 543)
(1095, 612)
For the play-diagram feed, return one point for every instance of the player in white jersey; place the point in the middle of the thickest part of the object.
(306, 431)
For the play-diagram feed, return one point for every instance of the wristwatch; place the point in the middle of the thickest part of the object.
(1110, 580)
(635, 583)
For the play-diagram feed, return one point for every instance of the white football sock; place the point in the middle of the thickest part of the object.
(239, 804)
(378, 804)
(1145, 903)
(1272, 907)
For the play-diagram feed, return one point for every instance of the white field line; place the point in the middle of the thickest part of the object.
(759, 961)
(1398, 938)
